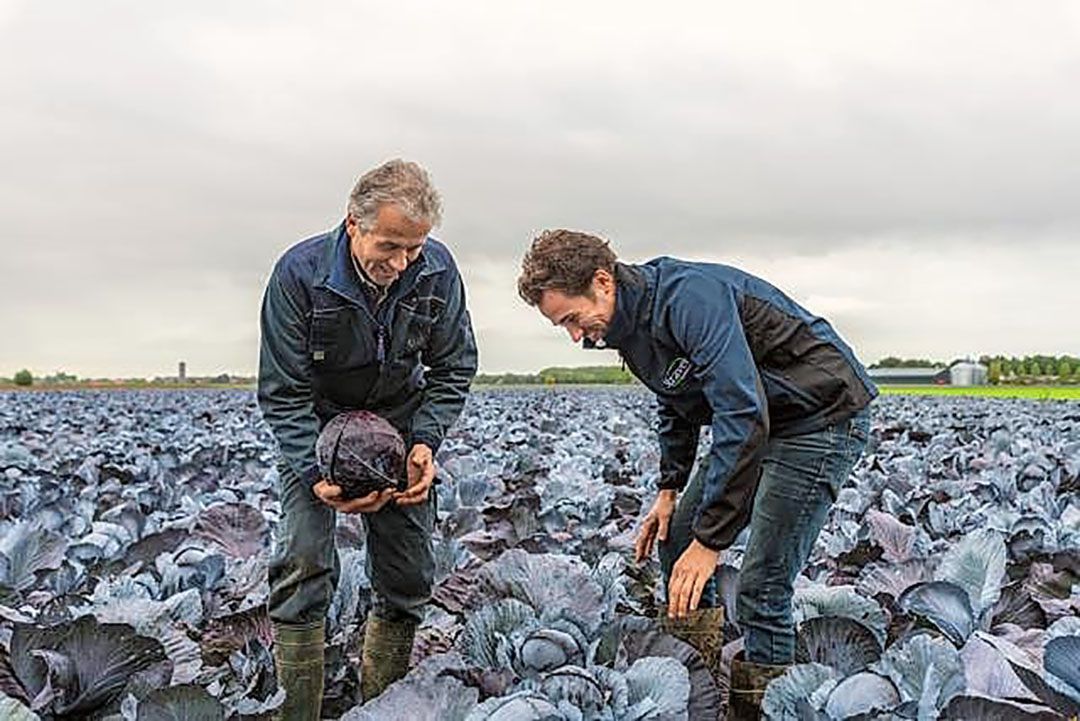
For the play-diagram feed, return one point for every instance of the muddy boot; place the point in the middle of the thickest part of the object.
(703, 629)
(748, 682)
(387, 647)
(298, 656)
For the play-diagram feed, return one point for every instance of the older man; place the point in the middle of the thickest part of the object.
(370, 315)
(787, 403)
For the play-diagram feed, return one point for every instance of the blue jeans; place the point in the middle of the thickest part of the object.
(800, 479)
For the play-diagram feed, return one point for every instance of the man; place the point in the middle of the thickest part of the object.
(370, 315)
(785, 398)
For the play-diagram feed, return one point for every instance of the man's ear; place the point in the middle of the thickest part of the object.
(603, 280)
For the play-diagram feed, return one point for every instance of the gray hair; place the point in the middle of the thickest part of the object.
(397, 182)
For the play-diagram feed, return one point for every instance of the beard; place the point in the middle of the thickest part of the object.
(596, 329)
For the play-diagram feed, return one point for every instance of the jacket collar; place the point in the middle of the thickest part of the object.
(634, 285)
(338, 274)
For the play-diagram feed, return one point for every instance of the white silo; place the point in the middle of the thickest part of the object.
(968, 373)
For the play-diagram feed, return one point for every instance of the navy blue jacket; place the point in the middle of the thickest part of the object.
(722, 347)
(326, 349)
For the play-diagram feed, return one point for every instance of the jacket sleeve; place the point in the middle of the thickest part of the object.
(705, 323)
(451, 359)
(678, 448)
(284, 390)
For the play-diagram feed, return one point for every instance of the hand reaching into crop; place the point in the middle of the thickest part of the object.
(330, 494)
(420, 467)
(655, 525)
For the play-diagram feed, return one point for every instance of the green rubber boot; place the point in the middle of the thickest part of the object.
(298, 656)
(748, 683)
(703, 629)
(385, 659)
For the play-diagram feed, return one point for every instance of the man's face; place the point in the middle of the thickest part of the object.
(583, 316)
(386, 250)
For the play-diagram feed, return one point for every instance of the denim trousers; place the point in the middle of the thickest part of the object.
(304, 569)
(800, 479)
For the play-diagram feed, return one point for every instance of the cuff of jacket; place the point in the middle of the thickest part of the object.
(722, 538)
(672, 481)
(718, 526)
(431, 440)
(713, 544)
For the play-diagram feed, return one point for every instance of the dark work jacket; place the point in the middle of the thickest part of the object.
(326, 349)
(721, 347)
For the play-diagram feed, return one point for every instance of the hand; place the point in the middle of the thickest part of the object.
(330, 494)
(420, 467)
(692, 571)
(655, 525)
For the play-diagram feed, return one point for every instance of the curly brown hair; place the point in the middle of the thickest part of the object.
(563, 260)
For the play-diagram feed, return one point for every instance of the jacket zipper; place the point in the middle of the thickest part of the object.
(380, 344)
(381, 333)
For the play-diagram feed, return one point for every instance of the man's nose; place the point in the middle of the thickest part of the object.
(399, 261)
(576, 333)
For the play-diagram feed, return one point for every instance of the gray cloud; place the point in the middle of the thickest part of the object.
(158, 160)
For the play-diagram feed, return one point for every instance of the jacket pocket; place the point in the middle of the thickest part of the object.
(413, 323)
(324, 343)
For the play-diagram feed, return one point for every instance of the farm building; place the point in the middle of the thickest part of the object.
(910, 376)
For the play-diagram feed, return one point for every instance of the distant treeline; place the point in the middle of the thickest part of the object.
(1009, 369)
(24, 378)
(894, 362)
(1005, 369)
(560, 376)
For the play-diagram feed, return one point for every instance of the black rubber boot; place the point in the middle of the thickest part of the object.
(385, 659)
(298, 656)
(748, 683)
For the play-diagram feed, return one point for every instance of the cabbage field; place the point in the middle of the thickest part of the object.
(135, 529)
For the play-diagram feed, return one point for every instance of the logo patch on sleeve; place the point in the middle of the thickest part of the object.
(676, 373)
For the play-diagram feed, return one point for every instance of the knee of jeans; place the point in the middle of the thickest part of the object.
(762, 598)
(762, 613)
(300, 591)
(301, 568)
(411, 584)
(403, 596)
(310, 549)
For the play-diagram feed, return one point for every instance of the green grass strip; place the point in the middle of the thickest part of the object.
(1043, 393)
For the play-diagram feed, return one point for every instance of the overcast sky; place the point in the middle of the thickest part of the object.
(910, 170)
